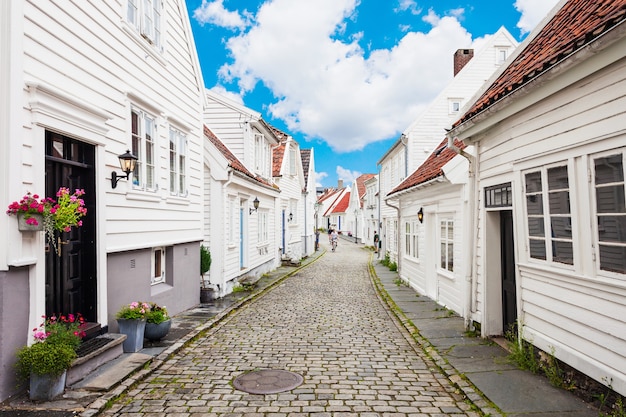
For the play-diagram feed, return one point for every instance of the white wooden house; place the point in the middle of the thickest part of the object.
(251, 237)
(81, 84)
(240, 218)
(288, 175)
(549, 206)
(433, 224)
(470, 69)
(370, 211)
(355, 210)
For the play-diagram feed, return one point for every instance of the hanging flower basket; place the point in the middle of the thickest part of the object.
(32, 223)
(48, 214)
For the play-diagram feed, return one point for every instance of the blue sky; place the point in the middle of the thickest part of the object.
(344, 77)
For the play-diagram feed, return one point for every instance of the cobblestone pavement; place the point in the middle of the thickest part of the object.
(325, 323)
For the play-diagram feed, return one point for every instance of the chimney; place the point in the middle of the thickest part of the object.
(462, 57)
(340, 184)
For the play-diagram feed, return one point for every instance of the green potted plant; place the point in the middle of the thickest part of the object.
(131, 319)
(158, 322)
(46, 361)
(206, 293)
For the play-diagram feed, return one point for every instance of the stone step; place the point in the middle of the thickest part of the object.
(109, 375)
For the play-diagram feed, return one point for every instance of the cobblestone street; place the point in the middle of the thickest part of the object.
(324, 323)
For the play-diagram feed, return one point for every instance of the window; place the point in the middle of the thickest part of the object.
(549, 216)
(231, 220)
(501, 55)
(261, 155)
(411, 239)
(292, 161)
(610, 204)
(158, 266)
(454, 106)
(143, 133)
(178, 158)
(145, 17)
(446, 239)
(263, 227)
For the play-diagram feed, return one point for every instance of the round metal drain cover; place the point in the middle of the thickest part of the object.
(267, 381)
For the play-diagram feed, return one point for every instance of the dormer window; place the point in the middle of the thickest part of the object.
(292, 161)
(145, 17)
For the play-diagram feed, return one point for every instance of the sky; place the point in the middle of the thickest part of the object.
(344, 77)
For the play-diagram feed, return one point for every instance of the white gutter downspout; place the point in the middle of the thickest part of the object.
(470, 217)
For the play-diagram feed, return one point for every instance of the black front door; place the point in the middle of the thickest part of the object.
(509, 293)
(71, 269)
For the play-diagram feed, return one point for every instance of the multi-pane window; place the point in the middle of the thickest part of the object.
(549, 215)
(178, 159)
(411, 248)
(292, 161)
(454, 106)
(158, 266)
(446, 244)
(610, 212)
(145, 17)
(262, 160)
(263, 226)
(143, 134)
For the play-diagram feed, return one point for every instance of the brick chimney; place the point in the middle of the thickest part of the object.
(462, 57)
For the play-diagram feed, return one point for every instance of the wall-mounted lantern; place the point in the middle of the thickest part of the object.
(127, 163)
(255, 203)
(420, 215)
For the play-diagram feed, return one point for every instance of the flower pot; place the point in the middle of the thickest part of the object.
(23, 226)
(46, 387)
(134, 331)
(155, 332)
(207, 295)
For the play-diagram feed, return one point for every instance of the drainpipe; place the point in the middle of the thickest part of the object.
(470, 221)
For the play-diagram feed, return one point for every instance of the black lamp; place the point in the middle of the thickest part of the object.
(290, 217)
(127, 163)
(420, 215)
(255, 203)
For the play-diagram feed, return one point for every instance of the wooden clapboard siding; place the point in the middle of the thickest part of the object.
(86, 51)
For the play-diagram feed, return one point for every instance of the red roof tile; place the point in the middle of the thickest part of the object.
(277, 158)
(233, 162)
(576, 24)
(360, 183)
(431, 168)
(342, 206)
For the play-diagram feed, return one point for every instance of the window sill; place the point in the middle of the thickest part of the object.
(140, 195)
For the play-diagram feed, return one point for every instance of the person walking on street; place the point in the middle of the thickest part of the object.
(376, 242)
(334, 236)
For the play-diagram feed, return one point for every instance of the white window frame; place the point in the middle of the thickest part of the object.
(146, 17)
(262, 159)
(263, 226)
(292, 161)
(596, 214)
(232, 212)
(178, 162)
(446, 245)
(547, 216)
(454, 105)
(144, 147)
(158, 262)
(502, 54)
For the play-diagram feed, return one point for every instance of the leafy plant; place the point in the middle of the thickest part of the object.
(54, 349)
(205, 263)
(136, 310)
(157, 314)
(521, 353)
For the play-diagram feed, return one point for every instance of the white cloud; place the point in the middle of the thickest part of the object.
(213, 12)
(328, 89)
(319, 177)
(228, 94)
(533, 11)
(410, 5)
(347, 176)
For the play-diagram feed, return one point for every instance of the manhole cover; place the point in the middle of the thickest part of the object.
(267, 381)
